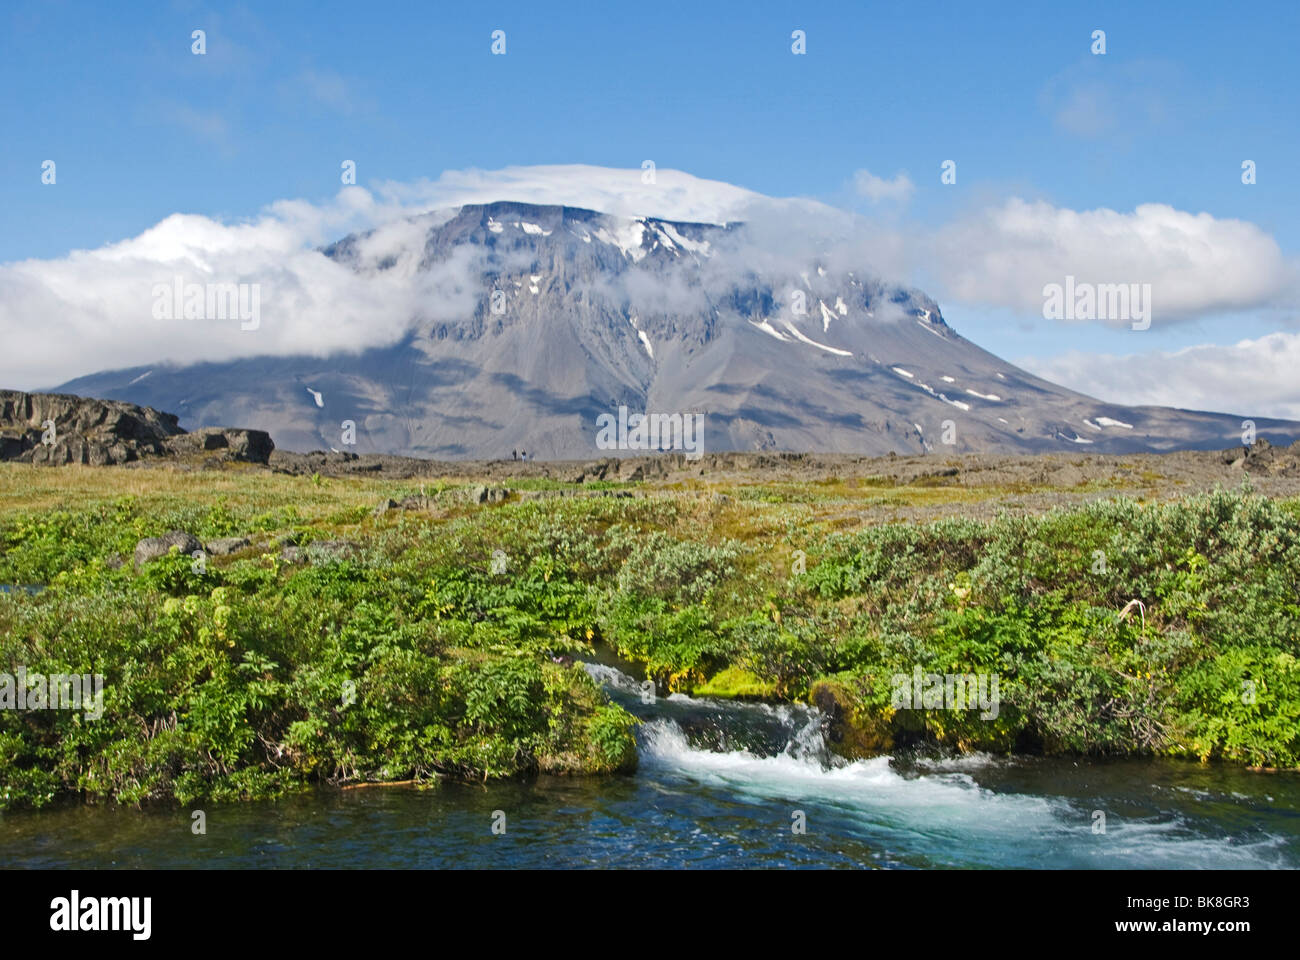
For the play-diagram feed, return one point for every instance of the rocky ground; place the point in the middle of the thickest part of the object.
(969, 484)
(97, 433)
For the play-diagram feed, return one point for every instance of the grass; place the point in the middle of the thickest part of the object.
(417, 655)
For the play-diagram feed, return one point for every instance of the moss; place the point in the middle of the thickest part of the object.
(854, 729)
(735, 683)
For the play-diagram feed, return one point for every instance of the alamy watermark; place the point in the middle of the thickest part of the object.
(1098, 301)
(946, 691)
(179, 300)
(75, 913)
(651, 431)
(55, 691)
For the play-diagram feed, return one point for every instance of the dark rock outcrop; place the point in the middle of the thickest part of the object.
(248, 446)
(1265, 459)
(58, 428)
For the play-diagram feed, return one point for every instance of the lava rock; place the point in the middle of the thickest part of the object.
(227, 545)
(151, 548)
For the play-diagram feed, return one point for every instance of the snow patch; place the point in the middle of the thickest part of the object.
(902, 373)
(826, 316)
(947, 379)
(494, 226)
(820, 346)
(628, 237)
(839, 305)
(645, 342)
(141, 377)
(769, 329)
(1108, 422)
(694, 246)
(984, 396)
(320, 400)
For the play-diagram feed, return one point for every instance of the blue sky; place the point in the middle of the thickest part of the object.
(140, 128)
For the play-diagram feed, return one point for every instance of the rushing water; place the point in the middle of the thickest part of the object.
(718, 786)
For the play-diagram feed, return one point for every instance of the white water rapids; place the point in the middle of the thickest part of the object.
(974, 810)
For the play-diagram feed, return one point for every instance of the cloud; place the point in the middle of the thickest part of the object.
(1196, 264)
(1252, 377)
(327, 89)
(672, 196)
(205, 124)
(94, 309)
(1097, 98)
(876, 189)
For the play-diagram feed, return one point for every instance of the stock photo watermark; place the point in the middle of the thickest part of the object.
(179, 300)
(946, 691)
(55, 691)
(651, 431)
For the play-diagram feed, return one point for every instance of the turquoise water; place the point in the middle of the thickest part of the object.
(718, 786)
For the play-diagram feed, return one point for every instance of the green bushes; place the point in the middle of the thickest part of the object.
(440, 646)
(254, 678)
(1039, 602)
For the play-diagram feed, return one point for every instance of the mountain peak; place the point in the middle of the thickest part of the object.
(530, 322)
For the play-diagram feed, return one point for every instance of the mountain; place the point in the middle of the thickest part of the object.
(579, 313)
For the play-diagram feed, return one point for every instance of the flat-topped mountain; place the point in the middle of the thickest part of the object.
(574, 314)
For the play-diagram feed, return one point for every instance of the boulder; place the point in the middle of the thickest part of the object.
(483, 494)
(151, 548)
(324, 551)
(227, 545)
(319, 551)
(851, 731)
(247, 446)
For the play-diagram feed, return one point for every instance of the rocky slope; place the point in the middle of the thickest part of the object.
(578, 313)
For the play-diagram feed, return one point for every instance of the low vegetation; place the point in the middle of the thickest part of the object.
(418, 644)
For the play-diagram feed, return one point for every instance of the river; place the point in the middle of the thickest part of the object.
(721, 785)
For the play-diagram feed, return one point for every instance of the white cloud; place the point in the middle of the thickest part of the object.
(1251, 377)
(204, 124)
(1124, 102)
(92, 309)
(1196, 264)
(325, 88)
(673, 196)
(876, 189)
